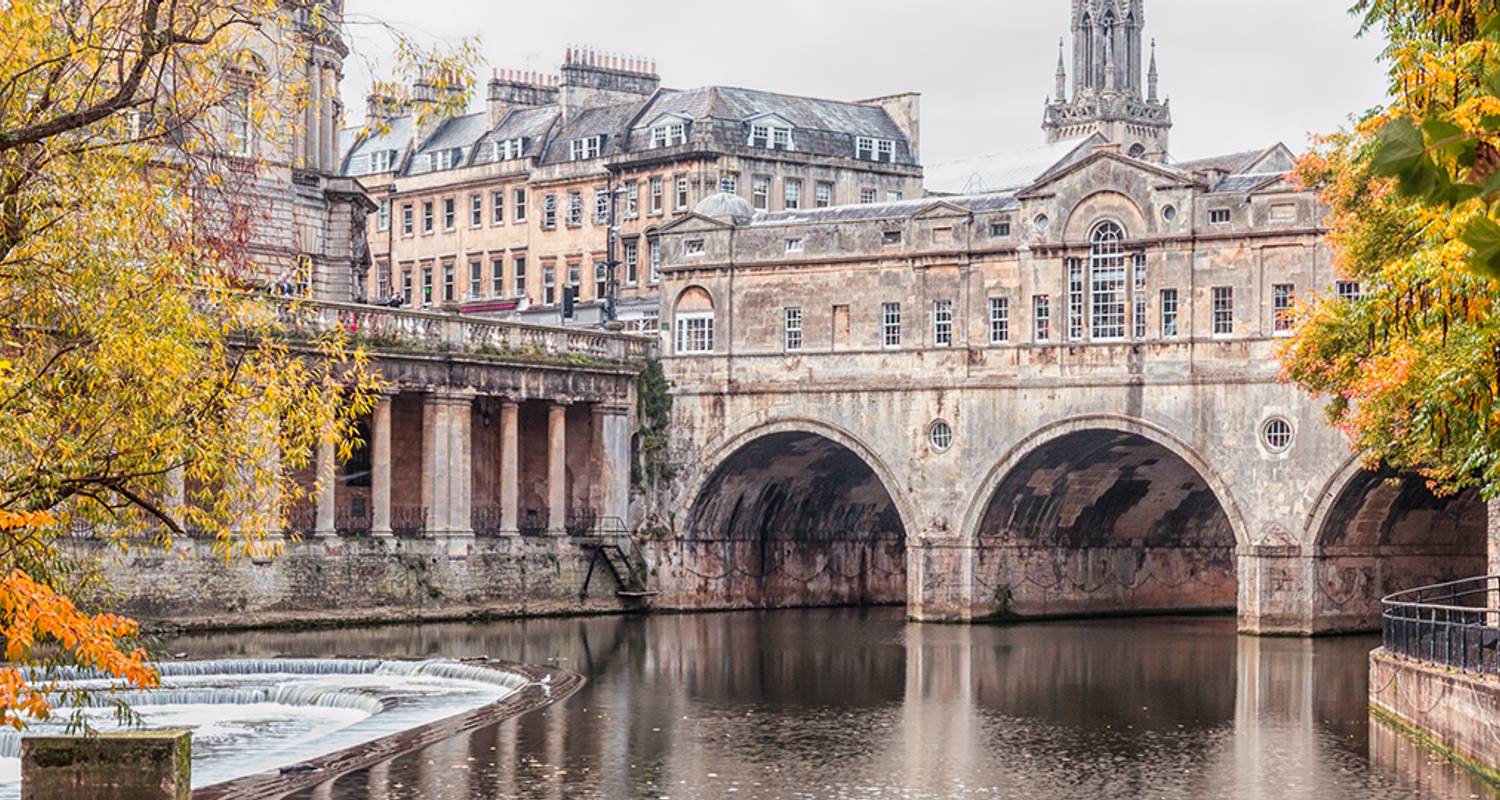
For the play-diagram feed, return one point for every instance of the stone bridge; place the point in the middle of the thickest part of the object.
(1090, 486)
(1062, 401)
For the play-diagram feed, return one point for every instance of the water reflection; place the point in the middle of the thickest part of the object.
(854, 703)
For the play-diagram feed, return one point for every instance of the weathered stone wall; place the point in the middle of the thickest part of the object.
(358, 580)
(726, 573)
(1452, 712)
(139, 765)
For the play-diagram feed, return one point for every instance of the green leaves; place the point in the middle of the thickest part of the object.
(1399, 149)
(1484, 236)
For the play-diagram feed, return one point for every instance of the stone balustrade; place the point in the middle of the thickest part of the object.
(436, 330)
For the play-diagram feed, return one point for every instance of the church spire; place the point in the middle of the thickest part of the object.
(1062, 73)
(1151, 77)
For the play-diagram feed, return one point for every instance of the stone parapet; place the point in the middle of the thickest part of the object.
(1456, 714)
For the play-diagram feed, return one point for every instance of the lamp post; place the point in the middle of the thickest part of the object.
(611, 265)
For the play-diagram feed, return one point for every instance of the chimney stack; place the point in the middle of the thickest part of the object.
(591, 79)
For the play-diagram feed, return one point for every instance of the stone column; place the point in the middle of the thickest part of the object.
(1493, 510)
(380, 468)
(460, 465)
(612, 472)
(435, 462)
(557, 468)
(174, 497)
(327, 473)
(510, 467)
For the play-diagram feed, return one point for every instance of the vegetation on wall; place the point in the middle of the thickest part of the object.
(655, 402)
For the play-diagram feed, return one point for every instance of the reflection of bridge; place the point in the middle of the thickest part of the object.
(1084, 418)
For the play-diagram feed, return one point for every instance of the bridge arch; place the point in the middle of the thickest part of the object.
(1376, 531)
(797, 512)
(1104, 514)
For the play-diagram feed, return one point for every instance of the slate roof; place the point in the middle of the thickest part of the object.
(357, 151)
(459, 133)
(532, 124)
(1229, 162)
(998, 172)
(719, 116)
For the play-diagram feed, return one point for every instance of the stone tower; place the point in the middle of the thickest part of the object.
(1108, 61)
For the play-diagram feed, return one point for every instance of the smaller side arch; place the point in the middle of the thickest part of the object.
(717, 452)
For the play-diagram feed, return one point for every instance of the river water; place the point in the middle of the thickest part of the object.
(861, 704)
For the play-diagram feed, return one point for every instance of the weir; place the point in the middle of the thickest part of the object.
(256, 715)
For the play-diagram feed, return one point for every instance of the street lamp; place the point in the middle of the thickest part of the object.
(611, 265)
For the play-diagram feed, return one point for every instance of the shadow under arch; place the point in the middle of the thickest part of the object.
(1379, 531)
(795, 513)
(1103, 515)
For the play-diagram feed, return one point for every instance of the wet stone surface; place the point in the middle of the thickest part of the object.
(861, 704)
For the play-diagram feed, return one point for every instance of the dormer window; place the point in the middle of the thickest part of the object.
(692, 247)
(382, 161)
(587, 147)
(867, 148)
(669, 134)
(509, 149)
(771, 136)
(445, 159)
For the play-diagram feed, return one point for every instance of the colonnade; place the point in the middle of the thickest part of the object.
(541, 467)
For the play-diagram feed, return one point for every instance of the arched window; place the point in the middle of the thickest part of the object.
(1107, 286)
(693, 322)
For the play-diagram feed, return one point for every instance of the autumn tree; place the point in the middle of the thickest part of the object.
(1411, 369)
(138, 350)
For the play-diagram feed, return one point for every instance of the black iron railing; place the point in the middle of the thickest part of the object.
(353, 522)
(533, 522)
(485, 520)
(1454, 624)
(408, 521)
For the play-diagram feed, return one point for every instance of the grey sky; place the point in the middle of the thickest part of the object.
(1240, 73)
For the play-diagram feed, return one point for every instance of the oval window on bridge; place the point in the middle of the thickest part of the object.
(1277, 434)
(940, 436)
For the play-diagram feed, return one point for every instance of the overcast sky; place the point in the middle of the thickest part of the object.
(1241, 74)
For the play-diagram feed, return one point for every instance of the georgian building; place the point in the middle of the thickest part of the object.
(498, 212)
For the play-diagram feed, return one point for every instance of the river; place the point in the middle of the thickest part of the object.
(858, 703)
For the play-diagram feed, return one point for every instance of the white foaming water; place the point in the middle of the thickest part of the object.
(256, 715)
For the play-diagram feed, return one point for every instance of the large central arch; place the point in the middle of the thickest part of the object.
(1104, 516)
(795, 514)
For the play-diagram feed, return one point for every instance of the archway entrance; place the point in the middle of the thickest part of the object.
(1104, 522)
(1386, 532)
(795, 519)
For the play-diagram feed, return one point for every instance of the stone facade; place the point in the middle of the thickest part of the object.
(1065, 398)
(494, 213)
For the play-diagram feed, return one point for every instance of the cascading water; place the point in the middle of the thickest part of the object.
(254, 715)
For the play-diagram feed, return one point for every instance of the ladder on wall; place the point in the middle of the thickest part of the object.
(632, 582)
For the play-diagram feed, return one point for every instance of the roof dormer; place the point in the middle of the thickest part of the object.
(770, 132)
(670, 129)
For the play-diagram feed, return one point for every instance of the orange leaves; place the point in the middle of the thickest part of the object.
(15, 520)
(32, 616)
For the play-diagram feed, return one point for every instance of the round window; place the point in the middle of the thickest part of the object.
(940, 436)
(1277, 434)
(1169, 213)
(1042, 222)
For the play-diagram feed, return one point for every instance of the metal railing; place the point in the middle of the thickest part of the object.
(408, 521)
(485, 520)
(1454, 625)
(454, 332)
